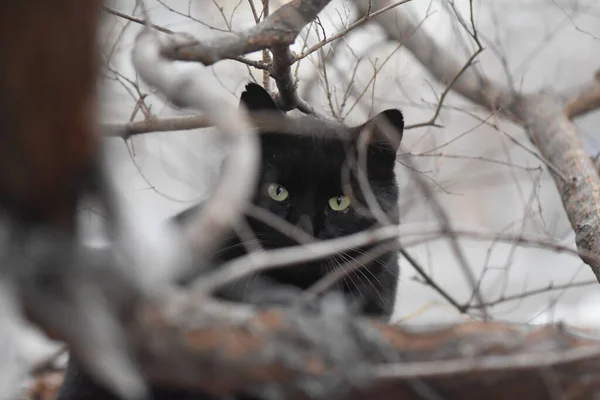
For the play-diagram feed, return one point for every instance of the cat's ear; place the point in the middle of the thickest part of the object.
(256, 98)
(383, 134)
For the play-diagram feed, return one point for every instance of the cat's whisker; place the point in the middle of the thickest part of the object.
(234, 246)
(362, 270)
(370, 257)
(345, 278)
(249, 282)
(363, 267)
(343, 266)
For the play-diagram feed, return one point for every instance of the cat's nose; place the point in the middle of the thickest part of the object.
(305, 223)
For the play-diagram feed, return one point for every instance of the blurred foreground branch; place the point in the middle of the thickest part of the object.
(224, 348)
(236, 186)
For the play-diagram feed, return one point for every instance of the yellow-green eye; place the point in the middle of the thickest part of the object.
(339, 203)
(277, 192)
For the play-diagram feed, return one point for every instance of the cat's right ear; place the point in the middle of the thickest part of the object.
(384, 134)
(256, 98)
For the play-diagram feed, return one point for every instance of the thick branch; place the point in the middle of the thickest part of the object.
(280, 28)
(225, 348)
(586, 99)
(543, 114)
(577, 182)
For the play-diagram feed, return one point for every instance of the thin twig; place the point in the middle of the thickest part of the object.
(461, 308)
(284, 257)
(126, 130)
(345, 31)
(534, 292)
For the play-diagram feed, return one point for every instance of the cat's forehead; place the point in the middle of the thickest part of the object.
(315, 156)
(304, 160)
(309, 150)
(308, 135)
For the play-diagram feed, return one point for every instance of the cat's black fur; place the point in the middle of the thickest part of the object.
(309, 167)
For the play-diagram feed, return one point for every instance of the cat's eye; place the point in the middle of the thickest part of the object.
(339, 203)
(277, 192)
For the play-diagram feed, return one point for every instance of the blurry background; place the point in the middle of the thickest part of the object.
(482, 166)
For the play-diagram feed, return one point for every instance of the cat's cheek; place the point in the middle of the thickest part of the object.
(339, 225)
(280, 209)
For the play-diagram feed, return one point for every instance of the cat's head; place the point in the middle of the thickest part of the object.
(310, 179)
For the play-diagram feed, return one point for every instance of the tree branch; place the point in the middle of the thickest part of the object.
(223, 349)
(224, 209)
(280, 28)
(541, 113)
(586, 99)
(281, 71)
(128, 129)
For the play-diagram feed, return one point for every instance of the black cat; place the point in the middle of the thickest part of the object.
(301, 181)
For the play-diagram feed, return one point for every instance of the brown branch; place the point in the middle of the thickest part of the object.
(282, 257)
(266, 57)
(187, 122)
(224, 349)
(279, 29)
(281, 71)
(541, 113)
(586, 99)
(402, 25)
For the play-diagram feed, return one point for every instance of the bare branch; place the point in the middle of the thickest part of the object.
(283, 257)
(542, 114)
(140, 21)
(226, 349)
(438, 109)
(239, 177)
(281, 71)
(556, 138)
(266, 57)
(446, 226)
(261, 120)
(533, 292)
(350, 28)
(586, 99)
(280, 28)
(125, 130)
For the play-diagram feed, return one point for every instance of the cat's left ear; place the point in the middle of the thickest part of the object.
(256, 98)
(383, 134)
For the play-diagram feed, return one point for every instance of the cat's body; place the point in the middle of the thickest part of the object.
(302, 181)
